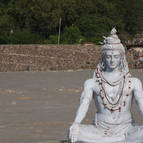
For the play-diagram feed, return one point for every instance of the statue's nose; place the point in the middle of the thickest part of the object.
(112, 59)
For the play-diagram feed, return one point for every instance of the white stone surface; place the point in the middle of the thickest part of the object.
(112, 88)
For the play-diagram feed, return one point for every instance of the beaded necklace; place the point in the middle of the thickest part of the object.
(119, 93)
(121, 102)
(109, 82)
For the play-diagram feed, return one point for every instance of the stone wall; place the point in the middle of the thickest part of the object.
(49, 57)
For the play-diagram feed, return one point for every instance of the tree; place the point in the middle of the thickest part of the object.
(71, 35)
(134, 16)
(89, 18)
(39, 16)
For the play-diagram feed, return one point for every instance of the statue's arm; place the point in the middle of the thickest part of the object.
(85, 99)
(138, 93)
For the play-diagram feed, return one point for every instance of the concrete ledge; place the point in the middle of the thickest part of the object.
(50, 57)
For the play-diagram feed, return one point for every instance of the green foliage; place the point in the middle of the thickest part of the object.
(92, 25)
(37, 21)
(53, 39)
(3, 39)
(71, 35)
(24, 37)
(133, 16)
(38, 15)
(20, 37)
(68, 12)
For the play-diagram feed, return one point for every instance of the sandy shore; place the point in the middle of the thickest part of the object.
(40, 106)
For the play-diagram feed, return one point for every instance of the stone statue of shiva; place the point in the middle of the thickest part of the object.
(112, 88)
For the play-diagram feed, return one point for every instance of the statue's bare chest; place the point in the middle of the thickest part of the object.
(111, 90)
(114, 97)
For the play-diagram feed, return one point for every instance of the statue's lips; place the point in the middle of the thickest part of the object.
(112, 65)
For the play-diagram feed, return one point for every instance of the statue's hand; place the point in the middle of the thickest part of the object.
(74, 132)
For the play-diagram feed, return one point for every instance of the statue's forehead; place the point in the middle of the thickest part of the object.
(113, 52)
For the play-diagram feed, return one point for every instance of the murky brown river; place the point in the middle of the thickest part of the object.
(40, 106)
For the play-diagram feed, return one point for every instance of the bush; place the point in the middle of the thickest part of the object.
(3, 39)
(71, 35)
(23, 37)
(53, 39)
(94, 27)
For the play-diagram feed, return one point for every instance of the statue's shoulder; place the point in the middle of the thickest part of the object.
(136, 82)
(133, 79)
(89, 83)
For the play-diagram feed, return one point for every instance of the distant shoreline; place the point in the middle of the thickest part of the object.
(55, 57)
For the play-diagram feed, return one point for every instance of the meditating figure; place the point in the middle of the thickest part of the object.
(112, 88)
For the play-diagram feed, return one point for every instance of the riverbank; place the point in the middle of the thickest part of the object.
(54, 57)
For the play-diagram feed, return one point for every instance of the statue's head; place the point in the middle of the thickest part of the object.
(113, 54)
